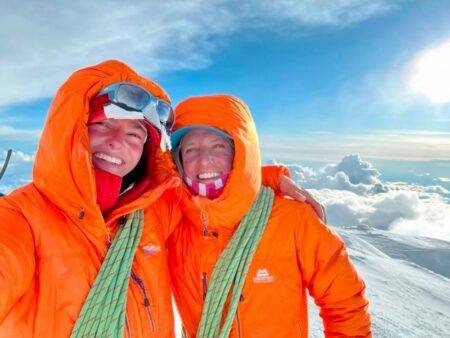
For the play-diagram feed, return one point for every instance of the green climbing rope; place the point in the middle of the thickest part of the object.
(103, 313)
(231, 269)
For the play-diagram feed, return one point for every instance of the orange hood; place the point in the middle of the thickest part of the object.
(231, 115)
(63, 169)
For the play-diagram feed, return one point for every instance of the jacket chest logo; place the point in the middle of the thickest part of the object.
(263, 276)
(151, 249)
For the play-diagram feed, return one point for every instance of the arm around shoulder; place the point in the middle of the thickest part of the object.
(331, 278)
(17, 258)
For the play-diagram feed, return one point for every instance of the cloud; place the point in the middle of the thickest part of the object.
(433, 221)
(18, 171)
(43, 42)
(402, 211)
(354, 196)
(316, 13)
(347, 209)
(351, 174)
(357, 170)
(12, 133)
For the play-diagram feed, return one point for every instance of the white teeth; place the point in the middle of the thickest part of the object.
(207, 176)
(108, 158)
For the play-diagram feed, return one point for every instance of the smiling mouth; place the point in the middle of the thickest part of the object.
(110, 159)
(208, 176)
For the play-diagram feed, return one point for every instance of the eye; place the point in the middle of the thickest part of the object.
(101, 125)
(189, 150)
(137, 136)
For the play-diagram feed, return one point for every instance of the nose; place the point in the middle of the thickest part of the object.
(116, 139)
(205, 156)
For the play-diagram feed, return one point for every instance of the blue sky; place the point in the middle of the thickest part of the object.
(322, 78)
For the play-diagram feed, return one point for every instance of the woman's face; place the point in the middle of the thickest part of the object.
(117, 144)
(206, 156)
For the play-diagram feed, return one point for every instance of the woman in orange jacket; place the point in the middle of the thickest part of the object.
(100, 173)
(55, 231)
(242, 260)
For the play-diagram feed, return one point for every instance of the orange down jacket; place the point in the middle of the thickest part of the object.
(53, 237)
(297, 252)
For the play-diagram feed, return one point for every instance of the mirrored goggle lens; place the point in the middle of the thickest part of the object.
(133, 97)
(165, 113)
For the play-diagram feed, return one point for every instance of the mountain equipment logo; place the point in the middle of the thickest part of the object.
(151, 249)
(263, 276)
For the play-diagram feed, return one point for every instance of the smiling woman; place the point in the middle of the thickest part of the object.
(431, 74)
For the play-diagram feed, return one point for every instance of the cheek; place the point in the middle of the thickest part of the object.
(135, 152)
(95, 140)
(189, 168)
(226, 164)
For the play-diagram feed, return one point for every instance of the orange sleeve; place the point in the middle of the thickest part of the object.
(271, 176)
(332, 279)
(17, 260)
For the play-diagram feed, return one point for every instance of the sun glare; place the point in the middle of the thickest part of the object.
(430, 74)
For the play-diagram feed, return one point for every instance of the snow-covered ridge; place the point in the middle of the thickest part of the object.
(407, 294)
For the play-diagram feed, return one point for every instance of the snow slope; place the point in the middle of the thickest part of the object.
(407, 283)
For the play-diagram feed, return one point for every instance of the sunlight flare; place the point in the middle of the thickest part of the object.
(430, 74)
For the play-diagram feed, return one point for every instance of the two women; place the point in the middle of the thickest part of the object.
(82, 246)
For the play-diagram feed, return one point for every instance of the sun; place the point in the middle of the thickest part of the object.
(430, 74)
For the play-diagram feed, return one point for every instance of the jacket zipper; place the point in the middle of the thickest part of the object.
(204, 222)
(147, 303)
(204, 285)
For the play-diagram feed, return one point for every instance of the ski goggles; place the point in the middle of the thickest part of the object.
(136, 103)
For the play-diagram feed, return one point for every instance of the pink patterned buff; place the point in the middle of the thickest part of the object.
(210, 190)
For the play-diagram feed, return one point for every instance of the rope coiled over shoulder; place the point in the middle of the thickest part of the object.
(103, 313)
(231, 269)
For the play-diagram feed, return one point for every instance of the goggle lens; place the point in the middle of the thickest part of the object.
(165, 113)
(134, 98)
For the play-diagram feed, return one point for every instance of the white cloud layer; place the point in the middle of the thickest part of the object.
(354, 196)
(43, 42)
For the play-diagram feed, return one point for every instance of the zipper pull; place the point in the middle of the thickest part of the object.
(204, 285)
(204, 222)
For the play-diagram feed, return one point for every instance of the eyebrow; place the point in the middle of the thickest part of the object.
(216, 138)
(140, 126)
